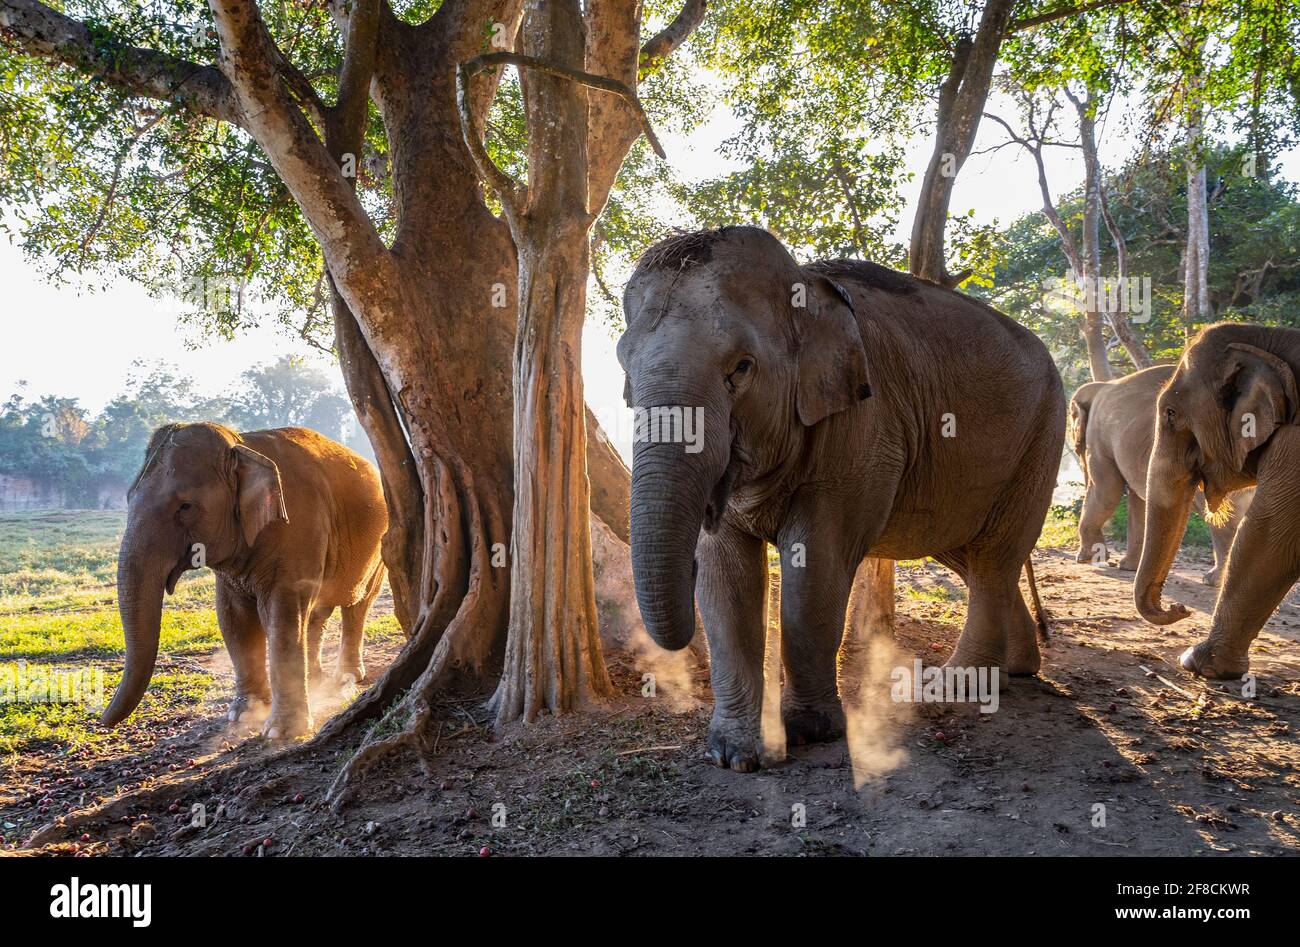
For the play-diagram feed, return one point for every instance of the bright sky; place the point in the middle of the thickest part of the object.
(69, 341)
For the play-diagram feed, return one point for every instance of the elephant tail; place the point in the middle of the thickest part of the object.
(1080, 405)
(1040, 613)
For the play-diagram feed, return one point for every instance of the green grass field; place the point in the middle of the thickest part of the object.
(58, 610)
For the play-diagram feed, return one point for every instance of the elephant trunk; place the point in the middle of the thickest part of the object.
(141, 579)
(1170, 492)
(668, 505)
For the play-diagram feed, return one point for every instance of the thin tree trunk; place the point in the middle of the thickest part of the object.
(1096, 206)
(1196, 291)
(553, 655)
(1090, 252)
(961, 103)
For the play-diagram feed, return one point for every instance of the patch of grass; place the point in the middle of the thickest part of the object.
(933, 593)
(1061, 529)
(47, 635)
(29, 725)
(49, 551)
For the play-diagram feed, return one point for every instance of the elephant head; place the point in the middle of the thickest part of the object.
(732, 353)
(201, 498)
(1223, 403)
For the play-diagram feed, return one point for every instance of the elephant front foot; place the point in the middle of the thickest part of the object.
(349, 676)
(1213, 577)
(1128, 565)
(1204, 661)
(735, 744)
(288, 725)
(812, 724)
(250, 709)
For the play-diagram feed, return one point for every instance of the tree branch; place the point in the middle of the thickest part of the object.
(664, 43)
(513, 194)
(348, 116)
(1051, 16)
(355, 255)
(602, 83)
(40, 31)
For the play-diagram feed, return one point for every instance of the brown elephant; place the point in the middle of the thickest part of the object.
(1226, 420)
(289, 521)
(838, 410)
(1112, 426)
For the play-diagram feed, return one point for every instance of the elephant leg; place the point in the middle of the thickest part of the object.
(815, 585)
(315, 637)
(1105, 489)
(1263, 564)
(245, 639)
(286, 617)
(1137, 524)
(351, 666)
(731, 590)
(999, 631)
(1221, 538)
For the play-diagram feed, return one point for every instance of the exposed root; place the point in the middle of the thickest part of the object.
(463, 649)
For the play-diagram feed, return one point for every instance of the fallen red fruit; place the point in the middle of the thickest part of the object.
(484, 852)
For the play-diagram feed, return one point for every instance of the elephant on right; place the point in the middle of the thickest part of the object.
(1113, 430)
(1225, 421)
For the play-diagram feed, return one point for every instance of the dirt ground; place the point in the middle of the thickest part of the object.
(1178, 766)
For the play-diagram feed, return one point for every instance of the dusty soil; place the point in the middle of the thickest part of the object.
(1180, 766)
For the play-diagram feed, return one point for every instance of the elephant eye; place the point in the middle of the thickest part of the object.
(186, 506)
(1171, 415)
(739, 373)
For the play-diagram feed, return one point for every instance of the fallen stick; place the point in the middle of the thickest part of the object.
(1168, 683)
(648, 749)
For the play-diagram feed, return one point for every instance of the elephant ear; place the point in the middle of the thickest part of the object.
(259, 497)
(1259, 392)
(832, 363)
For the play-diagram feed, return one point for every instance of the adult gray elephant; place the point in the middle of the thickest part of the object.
(847, 410)
(1226, 420)
(290, 522)
(1112, 426)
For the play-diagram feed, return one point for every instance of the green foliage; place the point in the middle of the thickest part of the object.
(1254, 270)
(95, 183)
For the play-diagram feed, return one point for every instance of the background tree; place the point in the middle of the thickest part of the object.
(1255, 254)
